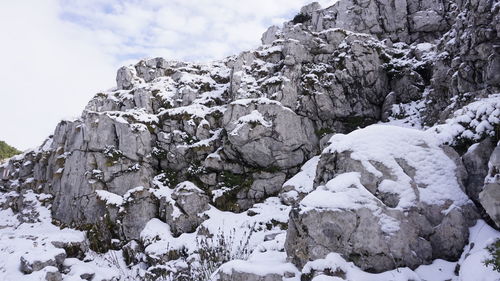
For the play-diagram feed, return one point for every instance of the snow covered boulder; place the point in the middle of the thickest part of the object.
(37, 260)
(489, 198)
(266, 266)
(183, 207)
(126, 77)
(383, 197)
(476, 162)
(139, 206)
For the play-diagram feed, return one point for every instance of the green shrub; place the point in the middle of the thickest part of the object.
(494, 249)
(7, 151)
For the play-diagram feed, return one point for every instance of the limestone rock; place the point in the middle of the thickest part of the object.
(36, 261)
(183, 211)
(265, 134)
(247, 276)
(140, 207)
(490, 194)
(476, 162)
(490, 200)
(373, 175)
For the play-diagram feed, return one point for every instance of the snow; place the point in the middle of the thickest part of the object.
(187, 186)
(128, 195)
(407, 115)
(335, 262)
(303, 181)
(255, 117)
(472, 122)
(261, 264)
(434, 170)
(109, 197)
(481, 235)
(155, 230)
(342, 192)
(345, 192)
(42, 255)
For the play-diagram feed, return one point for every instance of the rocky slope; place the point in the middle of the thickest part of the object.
(266, 165)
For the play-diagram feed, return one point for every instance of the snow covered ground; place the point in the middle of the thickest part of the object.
(38, 240)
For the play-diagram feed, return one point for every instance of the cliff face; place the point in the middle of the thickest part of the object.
(179, 150)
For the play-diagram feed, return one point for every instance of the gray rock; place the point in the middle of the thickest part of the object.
(476, 162)
(264, 185)
(490, 200)
(185, 213)
(132, 252)
(36, 261)
(140, 207)
(283, 139)
(125, 77)
(73, 249)
(249, 276)
(270, 35)
(493, 70)
(424, 232)
(52, 274)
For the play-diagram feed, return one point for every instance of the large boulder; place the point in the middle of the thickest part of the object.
(489, 198)
(264, 133)
(182, 208)
(265, 266)
(35, 261)
(476, 162)
(384, 197)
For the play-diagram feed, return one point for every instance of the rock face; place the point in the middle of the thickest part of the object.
(183, 214)
(476, 162)
(174, 143)
(490, 194)
(369, 176)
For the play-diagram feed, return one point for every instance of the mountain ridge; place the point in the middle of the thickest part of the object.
(269, 140)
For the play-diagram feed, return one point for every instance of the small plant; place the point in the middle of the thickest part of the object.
(211, 252)
(219, 249)
(324, 131)
(494, 250)
(112, 155)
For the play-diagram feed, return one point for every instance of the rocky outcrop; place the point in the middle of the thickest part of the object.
(176, 144)
(185, 213)
(397, 177)
(476, 162)
(469, 49)
(36, 261)
(400, 20)
(489, 198)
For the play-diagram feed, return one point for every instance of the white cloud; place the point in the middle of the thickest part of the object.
(57, 53)
(48, 71)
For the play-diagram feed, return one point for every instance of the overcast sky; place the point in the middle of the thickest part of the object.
(56, 54)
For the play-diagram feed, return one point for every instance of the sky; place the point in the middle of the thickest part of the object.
(56, 54)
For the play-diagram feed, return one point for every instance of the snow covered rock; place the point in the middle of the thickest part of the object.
(401, 179)
(38, 260)
(266, 134)
(490, 194)
(183, 211)
(140, 206)
(268, 266)
(490, 201)
(476, 162)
